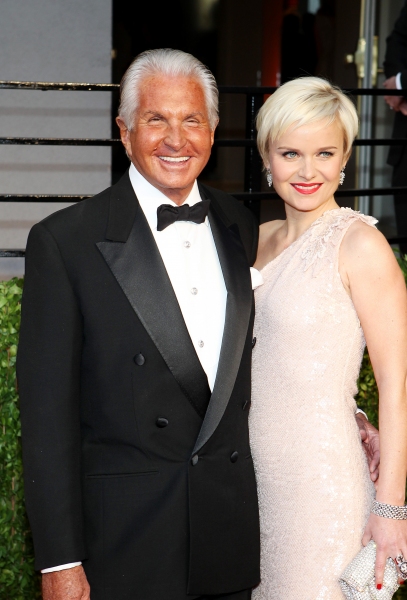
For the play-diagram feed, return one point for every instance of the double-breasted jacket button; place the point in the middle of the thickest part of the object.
(139, 360)
(194, 460)
(161, 422)
(254, 340)
(234, 456)
(246, 404)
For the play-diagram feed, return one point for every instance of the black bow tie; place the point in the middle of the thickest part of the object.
(168, 214)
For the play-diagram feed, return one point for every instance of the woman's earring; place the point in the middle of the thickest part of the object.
(342, 176)
(269, 178)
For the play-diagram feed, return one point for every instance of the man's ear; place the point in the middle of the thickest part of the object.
(124, 135)
(213, 132)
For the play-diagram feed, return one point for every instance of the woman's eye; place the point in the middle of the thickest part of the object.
(325, 154)
(290, 154)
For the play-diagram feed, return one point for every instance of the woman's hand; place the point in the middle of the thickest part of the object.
(390, 536)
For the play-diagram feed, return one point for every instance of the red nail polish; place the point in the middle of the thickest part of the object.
(379, 586)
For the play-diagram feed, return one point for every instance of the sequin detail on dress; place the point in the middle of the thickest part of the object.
(325, 235)
(313, 480)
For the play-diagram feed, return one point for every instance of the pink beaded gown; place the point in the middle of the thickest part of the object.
(312, 474)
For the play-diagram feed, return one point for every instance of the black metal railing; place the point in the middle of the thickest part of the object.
(252, 194)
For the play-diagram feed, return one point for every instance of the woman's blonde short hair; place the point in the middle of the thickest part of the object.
(300, 102)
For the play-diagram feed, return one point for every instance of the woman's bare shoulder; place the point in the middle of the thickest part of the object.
(269, 228)
(362, 238)
(365, 250)
(266, 236)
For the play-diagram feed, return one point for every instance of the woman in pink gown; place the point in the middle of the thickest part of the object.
(330, 282)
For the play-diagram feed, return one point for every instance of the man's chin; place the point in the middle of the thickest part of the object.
(174, 185)
(177, 194)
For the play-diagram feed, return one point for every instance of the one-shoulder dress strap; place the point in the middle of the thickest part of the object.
(322, 248)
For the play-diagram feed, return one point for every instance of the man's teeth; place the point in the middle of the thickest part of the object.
(174, 158)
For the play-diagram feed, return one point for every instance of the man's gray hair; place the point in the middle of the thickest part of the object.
(167, 62)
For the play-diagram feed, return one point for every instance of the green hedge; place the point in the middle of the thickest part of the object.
(18, 580)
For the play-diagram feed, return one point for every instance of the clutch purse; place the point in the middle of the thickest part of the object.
(358, 582)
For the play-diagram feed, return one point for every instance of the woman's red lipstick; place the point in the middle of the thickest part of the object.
(306, 188)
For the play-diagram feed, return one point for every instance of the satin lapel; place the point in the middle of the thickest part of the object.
(236, 273)
(140, 272)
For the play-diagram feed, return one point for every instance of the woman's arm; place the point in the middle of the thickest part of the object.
(374, 280)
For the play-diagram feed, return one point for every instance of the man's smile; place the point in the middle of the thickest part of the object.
(174, 159)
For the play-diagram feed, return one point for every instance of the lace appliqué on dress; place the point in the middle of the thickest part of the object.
(325, 235)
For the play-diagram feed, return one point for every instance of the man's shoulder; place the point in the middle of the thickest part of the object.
(234, 212)
(233, 209)
(80, 215)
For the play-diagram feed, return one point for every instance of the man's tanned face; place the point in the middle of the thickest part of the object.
(171, 138)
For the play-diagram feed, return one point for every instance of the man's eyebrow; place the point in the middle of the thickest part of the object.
(154, 113)
(195, 114)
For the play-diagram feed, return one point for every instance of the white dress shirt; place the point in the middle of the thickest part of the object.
(189, 254)
(398, 81)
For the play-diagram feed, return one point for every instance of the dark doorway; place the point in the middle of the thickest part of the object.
(188, 25)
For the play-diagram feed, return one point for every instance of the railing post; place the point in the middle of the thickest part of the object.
(253, 163)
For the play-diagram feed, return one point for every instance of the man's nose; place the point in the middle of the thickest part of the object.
(175, 137)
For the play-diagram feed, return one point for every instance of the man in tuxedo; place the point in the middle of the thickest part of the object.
(395, 66)
(134, 365)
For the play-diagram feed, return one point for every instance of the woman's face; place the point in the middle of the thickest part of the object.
(306, 163)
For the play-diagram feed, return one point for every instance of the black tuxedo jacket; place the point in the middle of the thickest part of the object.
(131, 464)
(396, 62)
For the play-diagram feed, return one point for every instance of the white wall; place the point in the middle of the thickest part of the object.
(51, 40)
